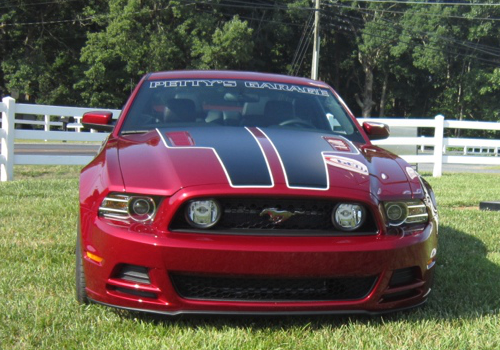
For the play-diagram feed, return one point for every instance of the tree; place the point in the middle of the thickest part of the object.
(453, 47)
(40, 46)
(144, 36)
(136, 37)
(367, 60)
(230, 47)
(373, 53)
(390, 59)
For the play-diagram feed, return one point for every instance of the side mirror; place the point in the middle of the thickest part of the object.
(98, 120)
(376, 131)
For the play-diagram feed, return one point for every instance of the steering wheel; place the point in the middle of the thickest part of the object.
(296, 121)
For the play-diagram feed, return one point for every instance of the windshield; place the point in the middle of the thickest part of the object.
(237, 103)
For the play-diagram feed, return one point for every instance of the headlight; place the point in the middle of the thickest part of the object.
(409, 212)
(141, 208)
(348, 216)
(125, 207)
(203, 213)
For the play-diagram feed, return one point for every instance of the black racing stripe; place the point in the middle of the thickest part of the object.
(238, 150)
(301, 155)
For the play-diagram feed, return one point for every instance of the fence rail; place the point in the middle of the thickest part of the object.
(10, 110)
(441, 145)
(437, 148)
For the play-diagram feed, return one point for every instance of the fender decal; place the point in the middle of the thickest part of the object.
(346, 163)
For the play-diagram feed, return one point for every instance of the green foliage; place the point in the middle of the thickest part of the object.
(136, 38)
(390, 59)
(39, 54)
(229, 48)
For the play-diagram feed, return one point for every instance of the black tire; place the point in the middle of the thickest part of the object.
(81, 294)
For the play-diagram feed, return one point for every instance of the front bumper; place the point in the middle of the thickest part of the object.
(401, 266)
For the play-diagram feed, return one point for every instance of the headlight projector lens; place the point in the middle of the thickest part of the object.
(141, 209)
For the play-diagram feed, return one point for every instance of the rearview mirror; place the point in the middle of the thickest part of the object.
(98, 120)
(376, 131)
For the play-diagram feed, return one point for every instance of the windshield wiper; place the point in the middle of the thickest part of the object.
(131, 132)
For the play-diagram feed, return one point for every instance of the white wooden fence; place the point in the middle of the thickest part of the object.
(438, 143)
(8, 134)
(441, 145)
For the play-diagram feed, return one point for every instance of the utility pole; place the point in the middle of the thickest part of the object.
(315, 60)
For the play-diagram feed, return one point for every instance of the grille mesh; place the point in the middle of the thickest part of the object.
(267, 289)
(243, 214)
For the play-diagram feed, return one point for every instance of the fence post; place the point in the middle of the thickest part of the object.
(7, 163)
(47, 123)
(438, 146)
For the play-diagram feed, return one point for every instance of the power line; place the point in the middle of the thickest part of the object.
(380, 35)
(300, 51)
(252, 19)
(302, 47)
(472, 18)
(483, 60)
(252, 5)
(428, 3)
(476, 47)
(81, 20)
(7, 5)
(304, 42)
(235, 4)
(490, 50)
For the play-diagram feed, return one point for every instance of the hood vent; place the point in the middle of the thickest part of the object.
(180, 139)
(338, 145)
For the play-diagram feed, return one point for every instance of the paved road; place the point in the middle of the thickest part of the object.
(49, 149)
(460, 168)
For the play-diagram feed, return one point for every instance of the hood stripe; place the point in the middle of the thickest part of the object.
(272, 157)
(303, 167)
(254, 158)
(239, 153)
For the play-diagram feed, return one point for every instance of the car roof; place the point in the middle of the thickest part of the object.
(226, 74)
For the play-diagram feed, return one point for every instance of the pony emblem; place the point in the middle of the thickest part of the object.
(277, 216)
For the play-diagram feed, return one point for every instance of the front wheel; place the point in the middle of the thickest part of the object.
(81, 294)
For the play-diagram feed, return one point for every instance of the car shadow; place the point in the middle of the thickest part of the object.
(466, 286)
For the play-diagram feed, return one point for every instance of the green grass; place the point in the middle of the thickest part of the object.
(38, 310)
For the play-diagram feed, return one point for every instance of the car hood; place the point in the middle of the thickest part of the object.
(164, 161)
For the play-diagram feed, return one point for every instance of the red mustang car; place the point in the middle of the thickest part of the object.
(248, 193)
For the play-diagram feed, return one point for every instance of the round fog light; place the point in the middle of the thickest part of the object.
(348, 216)
(203, 213)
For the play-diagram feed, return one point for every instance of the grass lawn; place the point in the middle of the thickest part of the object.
(38, 309)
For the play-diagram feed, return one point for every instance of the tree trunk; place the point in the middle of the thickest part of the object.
(366, 101)
(384, 95)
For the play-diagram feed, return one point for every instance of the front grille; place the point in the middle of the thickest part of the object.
(242, 215)
(272, 289)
